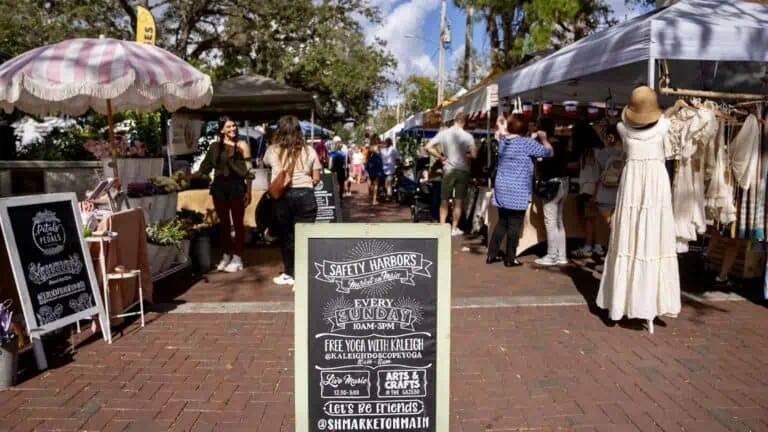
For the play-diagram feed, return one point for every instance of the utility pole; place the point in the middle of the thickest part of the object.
(468, 50)
(444, 38)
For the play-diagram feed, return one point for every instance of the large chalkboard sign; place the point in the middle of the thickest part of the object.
(372, 327)
(328, 202)
(51, 265)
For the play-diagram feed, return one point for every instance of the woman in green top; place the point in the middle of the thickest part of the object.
(231, 190)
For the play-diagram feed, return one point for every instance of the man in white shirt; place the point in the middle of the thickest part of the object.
(458, 148)
(390, 158)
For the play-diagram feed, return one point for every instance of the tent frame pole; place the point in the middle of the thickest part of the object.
(652, 73)
(312, 128)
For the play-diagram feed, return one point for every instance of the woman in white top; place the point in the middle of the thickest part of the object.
(298, 203)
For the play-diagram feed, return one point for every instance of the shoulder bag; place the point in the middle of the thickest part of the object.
(280, 184)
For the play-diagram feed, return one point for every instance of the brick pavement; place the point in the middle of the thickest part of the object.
(544, 368)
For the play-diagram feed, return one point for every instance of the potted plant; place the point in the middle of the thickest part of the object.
(9, 347)
(164, 242)
(200, 235)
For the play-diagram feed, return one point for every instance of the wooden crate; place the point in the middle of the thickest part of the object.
(749, 264)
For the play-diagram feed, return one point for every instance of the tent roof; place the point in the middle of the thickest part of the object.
(480, 99)
(256, 97)
(686, 33)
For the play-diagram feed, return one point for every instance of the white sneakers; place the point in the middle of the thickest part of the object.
(230, 264)
(235, 265)
(550, 261)
(283, 279)
(457, 232)
(224, 262)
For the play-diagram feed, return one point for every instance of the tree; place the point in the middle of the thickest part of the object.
(419, 93)
(518, 28)
(385, 120)
(318, 46)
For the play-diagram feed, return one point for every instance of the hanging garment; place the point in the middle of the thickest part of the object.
(641, 278)
(745, 152)
(691, 131)
(719, 193)
(759, 228)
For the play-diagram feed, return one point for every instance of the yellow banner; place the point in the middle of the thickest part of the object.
(145, 26)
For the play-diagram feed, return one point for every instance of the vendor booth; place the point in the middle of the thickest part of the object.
(692, 49)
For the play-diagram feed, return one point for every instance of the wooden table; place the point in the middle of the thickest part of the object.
(200, 200)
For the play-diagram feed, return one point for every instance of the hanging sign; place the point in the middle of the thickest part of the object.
(327, 197)
(372, 327)
(51, 264)
(183, 134)
(145, 26)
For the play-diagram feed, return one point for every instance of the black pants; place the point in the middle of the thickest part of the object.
(509, 225)
(296, 206)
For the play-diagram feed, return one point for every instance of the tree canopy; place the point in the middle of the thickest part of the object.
(519, 28)
(317, 46)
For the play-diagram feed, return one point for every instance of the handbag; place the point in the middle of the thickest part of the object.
(546, 189)
(280, 184)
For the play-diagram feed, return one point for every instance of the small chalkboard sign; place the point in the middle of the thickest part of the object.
(328, 202)
(372, 327)
(51, 264)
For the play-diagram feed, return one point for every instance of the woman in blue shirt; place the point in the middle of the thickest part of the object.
(514, 183)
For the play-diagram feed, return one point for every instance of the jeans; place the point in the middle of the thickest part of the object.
(509, 225)
(236, 207)
(296, 206)
(553, 222)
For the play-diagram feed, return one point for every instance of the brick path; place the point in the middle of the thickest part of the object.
(550, 368)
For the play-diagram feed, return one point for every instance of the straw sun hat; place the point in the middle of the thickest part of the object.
(643, 108)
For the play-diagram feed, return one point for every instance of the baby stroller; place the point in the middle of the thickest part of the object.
(406, 182)
(421, 208)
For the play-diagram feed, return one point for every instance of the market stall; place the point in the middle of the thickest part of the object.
(109, 76)
(717, 48)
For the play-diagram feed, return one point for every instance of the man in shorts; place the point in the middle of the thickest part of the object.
(458, 147)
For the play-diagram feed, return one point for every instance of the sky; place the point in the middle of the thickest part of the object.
(411, 29)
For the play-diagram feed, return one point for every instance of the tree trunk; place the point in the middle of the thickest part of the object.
(509, 36)
(493, 35)
(467, 72)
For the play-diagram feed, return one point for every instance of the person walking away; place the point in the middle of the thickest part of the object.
(338, 165)
(610, 161)
(390, 158)
(358, 160)
(289, 151)
(586, 141)
(375, 168)
(458, 148)
(555, 169)
(641, 278)
(231, 190)
(321, 149)
(513, 185)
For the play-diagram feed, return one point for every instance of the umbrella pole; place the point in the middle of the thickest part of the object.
(112, 143)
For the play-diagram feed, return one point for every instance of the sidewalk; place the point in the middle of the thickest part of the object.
(539, 368)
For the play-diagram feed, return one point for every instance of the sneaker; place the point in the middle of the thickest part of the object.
(457, 232)
(235, 265)
(283, 279)
(223, 263)
(562, 261)
(584, 252)
(599, 251)
(548, 261)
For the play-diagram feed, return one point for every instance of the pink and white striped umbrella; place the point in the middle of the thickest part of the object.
(74, 75)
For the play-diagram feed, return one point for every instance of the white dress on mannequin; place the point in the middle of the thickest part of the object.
(641, 277)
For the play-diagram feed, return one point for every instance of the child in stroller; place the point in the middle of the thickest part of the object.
(422, 198)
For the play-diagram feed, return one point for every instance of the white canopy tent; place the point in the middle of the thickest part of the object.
(709, 44)
(414, 121)
(479, 100)
(393, 131)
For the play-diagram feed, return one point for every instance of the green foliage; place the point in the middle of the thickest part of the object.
(58, 145)
(147, 129)
(408, 146)
(518, 29)
(318, 46)
(167, 233)
(385, 120)
(420, 93)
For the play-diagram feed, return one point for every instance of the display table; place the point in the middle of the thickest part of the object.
(129, 250)
(200, 200)
(533, 231)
